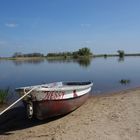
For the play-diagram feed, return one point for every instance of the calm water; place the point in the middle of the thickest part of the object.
(105, 73)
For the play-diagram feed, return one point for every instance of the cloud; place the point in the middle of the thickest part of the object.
(87, 42)
(85, 25)
(11, 25)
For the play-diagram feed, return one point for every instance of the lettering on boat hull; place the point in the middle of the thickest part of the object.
(54, 95)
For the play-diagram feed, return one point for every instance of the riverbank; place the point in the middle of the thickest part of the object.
(68, 57)
(112, 117)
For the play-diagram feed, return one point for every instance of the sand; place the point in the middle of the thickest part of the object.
(111, 117)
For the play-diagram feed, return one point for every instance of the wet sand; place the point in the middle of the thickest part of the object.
(111, 117)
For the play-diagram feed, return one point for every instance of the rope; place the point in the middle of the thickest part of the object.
(26, 93)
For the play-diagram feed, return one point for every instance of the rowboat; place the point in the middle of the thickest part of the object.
(53, 99)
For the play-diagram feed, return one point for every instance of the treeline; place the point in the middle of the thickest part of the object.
(59, 54)
(80, 53)
(19, 54)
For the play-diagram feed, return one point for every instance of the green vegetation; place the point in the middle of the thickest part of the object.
(3, 95)
(19, 54)
(121, 53)
(124, 81)
(105, 55)
(60, 55)
(83, 52)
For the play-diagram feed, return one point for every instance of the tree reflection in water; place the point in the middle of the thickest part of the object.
(84, 62)
(28, 61)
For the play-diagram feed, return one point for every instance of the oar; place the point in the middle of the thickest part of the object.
(18, 100)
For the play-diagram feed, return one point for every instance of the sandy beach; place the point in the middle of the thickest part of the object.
(110, 117)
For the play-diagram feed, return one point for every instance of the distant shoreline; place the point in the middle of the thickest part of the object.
(68, 57)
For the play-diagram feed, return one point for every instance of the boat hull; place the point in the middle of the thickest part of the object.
(50, 108)
(54, 99)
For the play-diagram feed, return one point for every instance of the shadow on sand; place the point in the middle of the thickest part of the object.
(15, 119)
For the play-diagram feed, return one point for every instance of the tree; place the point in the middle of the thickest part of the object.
(81, 52)
(121, 53)
(84, 52)
(17, 54)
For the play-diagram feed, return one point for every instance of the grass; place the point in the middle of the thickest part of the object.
(3, 95)
(124, 81)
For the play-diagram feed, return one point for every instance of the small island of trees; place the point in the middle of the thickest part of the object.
(19, 54)
(83, 52)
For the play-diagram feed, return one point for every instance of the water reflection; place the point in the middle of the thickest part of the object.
(121, 59)
(27, 61)
(59, 60)
(84, 62)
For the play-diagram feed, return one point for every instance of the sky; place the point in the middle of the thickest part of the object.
(44, 26)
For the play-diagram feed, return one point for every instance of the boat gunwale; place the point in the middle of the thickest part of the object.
(62, 88)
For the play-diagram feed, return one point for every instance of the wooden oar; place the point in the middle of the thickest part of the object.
(18, 100)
